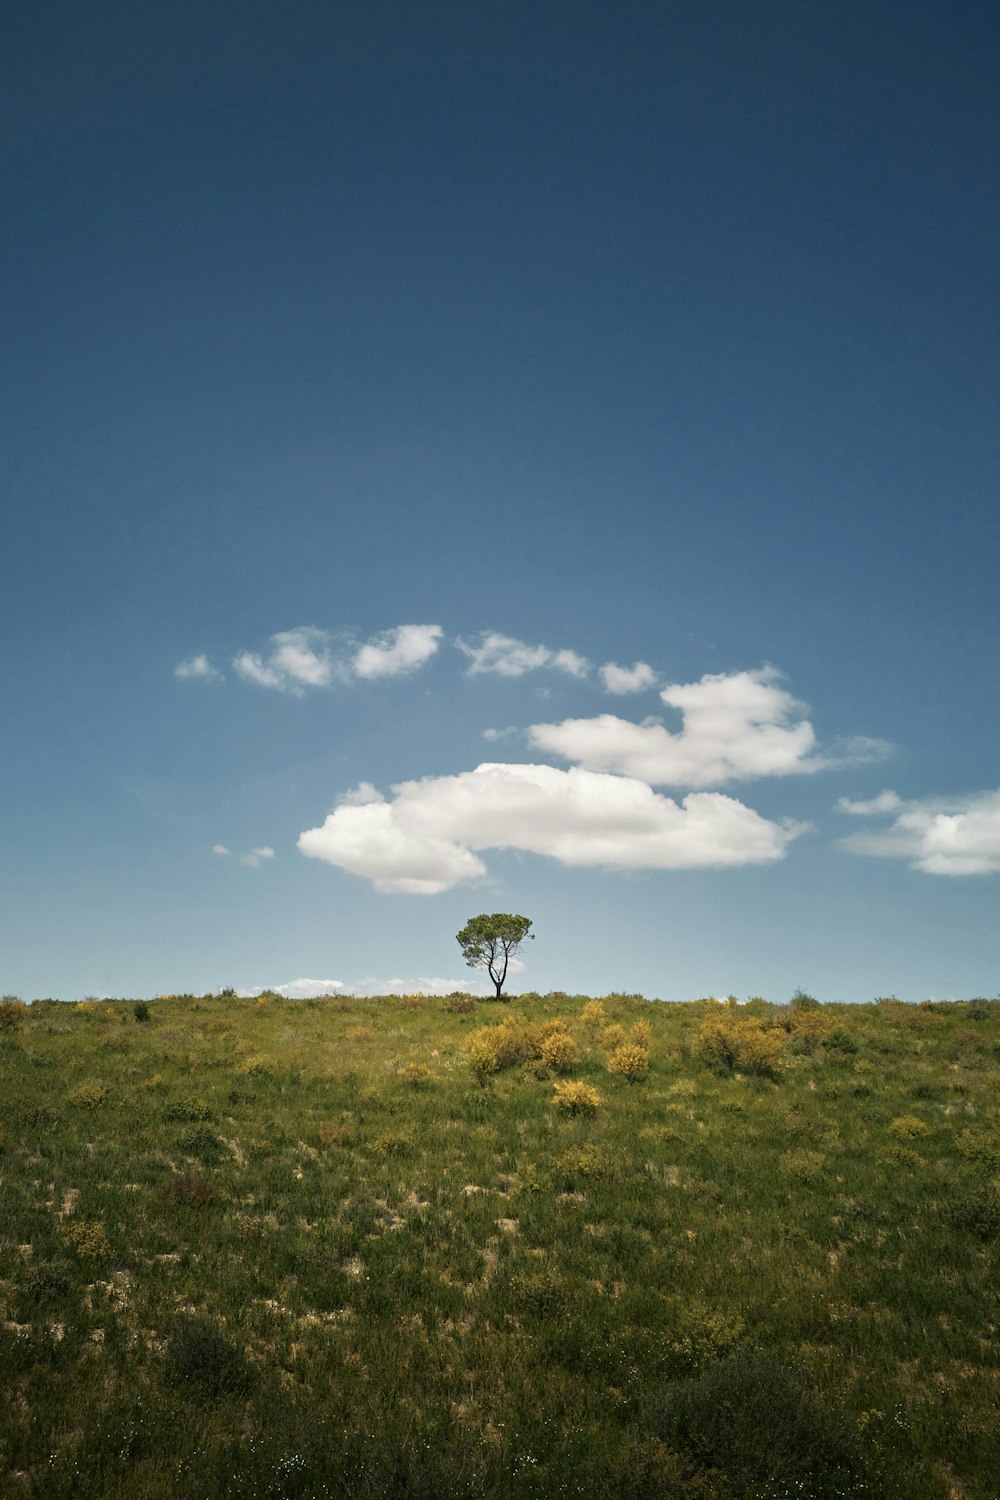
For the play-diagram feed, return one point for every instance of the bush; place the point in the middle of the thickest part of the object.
(188, 1110)
(189, 1191)
(593, 1015)
(459, 1003)
(613, 1037)
(908, 1128)
(13, 1012)
(576, 1099)
(199, 1354)
(417, 1074)
(630, 1062)
(976, 1211)
(558, 1051)
(642, 1034)
(745, 1045)
(88, 1095)
(755, 1421)
(141, 1010)
(87, 1240)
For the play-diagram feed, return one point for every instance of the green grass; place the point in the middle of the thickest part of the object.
(304, 1249)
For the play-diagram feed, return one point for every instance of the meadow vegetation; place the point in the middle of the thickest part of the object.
(444, 1248)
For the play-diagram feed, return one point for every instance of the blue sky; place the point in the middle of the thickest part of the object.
(402, 367)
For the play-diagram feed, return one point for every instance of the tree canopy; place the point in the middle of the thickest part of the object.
(490, 942)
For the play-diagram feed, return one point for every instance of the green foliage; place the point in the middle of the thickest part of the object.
(13, 1012)
(755, 1419)
(490, 942)
(200, 1355)
(742, 1044)
(141, 1010)
(432, 1289)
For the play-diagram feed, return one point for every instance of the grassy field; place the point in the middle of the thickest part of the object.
(369, 1248)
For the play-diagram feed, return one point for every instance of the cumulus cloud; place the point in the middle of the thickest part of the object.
(298, 659)
(500, 734)
(428, 838)
(735, 727)
(504, 656)
(197, 669)
(397, 651)
(305, 657)
(634, 679)
(220, 849)
(941, 836)
(256, 857)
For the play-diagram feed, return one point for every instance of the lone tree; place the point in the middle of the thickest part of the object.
(490, 942)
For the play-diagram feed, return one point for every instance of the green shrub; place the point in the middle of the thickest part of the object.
(200, 1140)
(88, 1095)
(141, 1010)
(13, 1012)
(88, 1240)
(187, 1109)
(976, 1211)
(189, 1191)
(908, 1128)
(199, 1354)
(754, 1420)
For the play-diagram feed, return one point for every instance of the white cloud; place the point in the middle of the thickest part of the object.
(307, 989)
(735, 728)
(197, 669)
(504, 656)
(883, 803)
(298, 659)
(299, 989)
(397, 651)
(941, 836)
(500, 734)
(426, 840)
(633, 679)
(256, 857)
(571, 662)
(220, 849)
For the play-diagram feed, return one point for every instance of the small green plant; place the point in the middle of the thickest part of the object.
(87, 1239)
(189, 1191)
(188, 1110)
(976, 1210)
(908, 1128)
(199, 1354)
(141, 1010)
(418, 1075)
(90, 1094)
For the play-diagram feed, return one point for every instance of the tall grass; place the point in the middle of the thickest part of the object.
(314, 1249)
